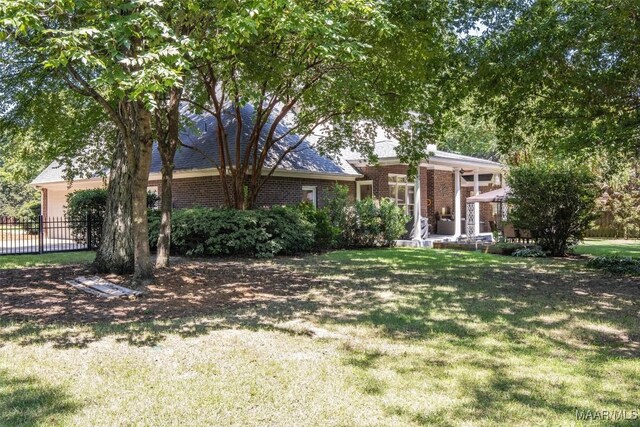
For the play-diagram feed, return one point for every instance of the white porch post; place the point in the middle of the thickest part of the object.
(458, 204)
(417, 226)
(476, 205)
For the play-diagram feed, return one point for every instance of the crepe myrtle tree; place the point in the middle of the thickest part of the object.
(346, 67)
(555, 201)
(120, 54)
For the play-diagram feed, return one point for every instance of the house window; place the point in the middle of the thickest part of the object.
(309, 194)
(364, 190)
(402, 192)
(156, 202)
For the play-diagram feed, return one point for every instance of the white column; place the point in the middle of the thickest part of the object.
(417, 229)
(458, 204)
(476, 205)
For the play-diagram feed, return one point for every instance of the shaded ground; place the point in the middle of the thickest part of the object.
(364, 338)
(187, 289)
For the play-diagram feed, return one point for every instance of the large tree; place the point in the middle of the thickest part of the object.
(347, 67)
(119, 54)
(563, 73)
(43, 120)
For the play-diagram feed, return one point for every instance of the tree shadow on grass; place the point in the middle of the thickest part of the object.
(521, 307)
(26, 401)
(404, 294)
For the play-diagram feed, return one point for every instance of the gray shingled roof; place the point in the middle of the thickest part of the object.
(385, 148)
(202, 134)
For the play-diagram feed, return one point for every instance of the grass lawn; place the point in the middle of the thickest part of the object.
(61, 258)
(599, 247)
(360, 338)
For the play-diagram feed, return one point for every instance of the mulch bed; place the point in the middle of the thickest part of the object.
(187, 289)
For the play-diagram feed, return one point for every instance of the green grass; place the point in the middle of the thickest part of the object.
(600, 247)
(388, 337)
(45, 260)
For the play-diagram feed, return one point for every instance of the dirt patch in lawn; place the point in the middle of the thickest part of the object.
(189, 288)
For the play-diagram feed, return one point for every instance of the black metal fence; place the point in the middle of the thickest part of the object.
(44, 235)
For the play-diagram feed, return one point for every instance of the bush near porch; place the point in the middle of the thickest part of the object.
(266, 232)
(554, 201)
(281, 230)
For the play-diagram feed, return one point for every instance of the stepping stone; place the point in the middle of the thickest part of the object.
(102, 288)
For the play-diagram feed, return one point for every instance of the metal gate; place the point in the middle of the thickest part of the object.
(42, 235)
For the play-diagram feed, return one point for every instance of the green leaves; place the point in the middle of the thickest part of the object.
(122, 48)
(564, 72)
(554, 201)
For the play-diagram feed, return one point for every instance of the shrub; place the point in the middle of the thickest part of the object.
(81, 204)
(215, 232)
(394, 221)
(616, 264)
(153, 200)
(554, 201)
(337, 207)
(365, 223)
(529, 253)
(325, 234)
(29, 211)
(29, 214)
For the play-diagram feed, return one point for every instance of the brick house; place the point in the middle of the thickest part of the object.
(438, 193)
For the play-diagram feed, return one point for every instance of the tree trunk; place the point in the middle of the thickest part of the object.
(142, 147)
(168, 137)
(115, 254)
(164, 236)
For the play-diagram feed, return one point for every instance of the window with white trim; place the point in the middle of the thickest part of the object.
(402, 192)
(364, 190)
(309, 194)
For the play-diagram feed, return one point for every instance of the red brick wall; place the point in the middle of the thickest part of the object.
(444, 192)
(207, 191)
(438, 190)
(44, 203)
(380, 177)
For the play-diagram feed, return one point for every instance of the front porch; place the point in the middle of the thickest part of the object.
(442, 214)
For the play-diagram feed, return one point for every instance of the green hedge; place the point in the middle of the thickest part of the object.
(281, 230)
(366, 223)
(215, 232)
(82, 203)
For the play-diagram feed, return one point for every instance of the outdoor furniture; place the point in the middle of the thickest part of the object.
(448, 228)
(498, 196)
